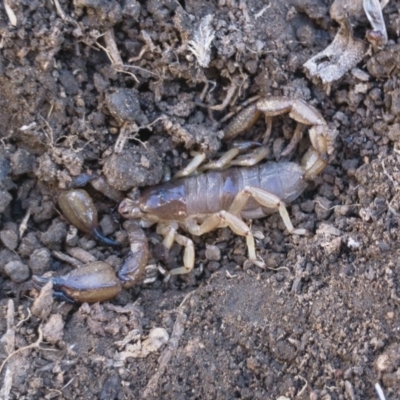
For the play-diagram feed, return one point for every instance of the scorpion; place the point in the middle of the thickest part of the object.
(226, 192)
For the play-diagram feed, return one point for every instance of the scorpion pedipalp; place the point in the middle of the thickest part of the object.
(97, 281)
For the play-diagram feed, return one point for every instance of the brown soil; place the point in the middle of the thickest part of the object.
(320, 322)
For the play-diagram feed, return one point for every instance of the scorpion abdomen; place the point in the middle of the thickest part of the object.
(215, 191)
(283, 179)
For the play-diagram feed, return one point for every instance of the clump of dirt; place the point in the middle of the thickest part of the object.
(127, 89)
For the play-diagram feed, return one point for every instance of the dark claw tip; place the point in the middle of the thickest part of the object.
(59, 295)
(103, 239)
(81, 180)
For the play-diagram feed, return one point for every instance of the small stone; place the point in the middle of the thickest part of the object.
(347, 270)
(9, 238)
(213, 253)
(28, 244)
(108, 225)
(22, 162)
(5, 257)
(55, 235)
(17, 271)
(251, 66)
(87, 244)
(5, 200)
(394, 132)
(4, 168)
(395, 106)
(213, 266)
(322, 207)
(342, 210)
(307, 206)
(383, 246)
(39, 261)
(131, 9)
(124, 105)
(390, 315)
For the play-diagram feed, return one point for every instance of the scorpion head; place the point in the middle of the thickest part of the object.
(130, 209)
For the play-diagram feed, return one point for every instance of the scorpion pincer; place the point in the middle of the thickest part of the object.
(230, 190)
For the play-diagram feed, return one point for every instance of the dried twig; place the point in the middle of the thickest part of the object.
(379, 390)
(112, 49)
(166, 355)
(10, 13)
(24, 223)
(30, 346)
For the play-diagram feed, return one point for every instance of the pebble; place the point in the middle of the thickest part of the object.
(213, 253)
(39, 261)
(5, 200)
(108, 225)
(17, 271)
(9, 238)
(55, 235)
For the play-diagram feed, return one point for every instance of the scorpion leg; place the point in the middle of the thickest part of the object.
(169, 231)
(250, 159)
(191, 167)
(296, 138)
(267, 200)
(222, 219)
(223, 162)
(231, 158)
(228, 159)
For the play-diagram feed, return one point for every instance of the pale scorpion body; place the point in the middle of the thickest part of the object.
(201, 203)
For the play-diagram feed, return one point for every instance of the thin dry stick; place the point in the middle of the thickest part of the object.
(114, 64)
(30, 346)
(140, 69)
(10, 13)
(304, 387)
(166, 355)
(24, 224)
(25, 319)
(112, 47)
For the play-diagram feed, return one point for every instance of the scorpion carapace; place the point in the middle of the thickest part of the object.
(201, 203)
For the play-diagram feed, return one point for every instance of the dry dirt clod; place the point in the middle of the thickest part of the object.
(53, 329)
(127, 169)
(42, 305)
(39, 261)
